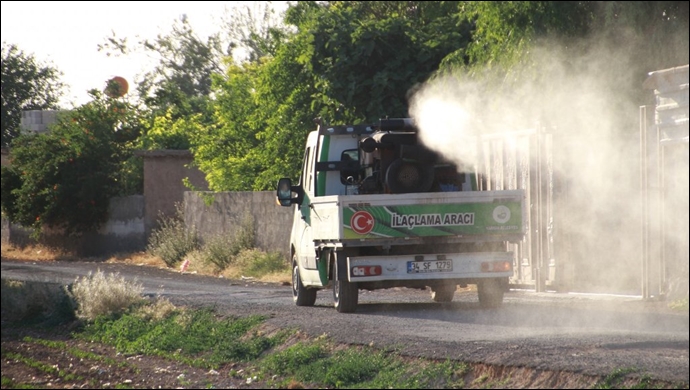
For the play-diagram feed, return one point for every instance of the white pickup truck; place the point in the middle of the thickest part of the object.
(376, 209)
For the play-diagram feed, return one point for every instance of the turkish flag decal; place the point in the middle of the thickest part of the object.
(362, 222)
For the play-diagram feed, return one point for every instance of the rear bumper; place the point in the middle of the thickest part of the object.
(464, 266)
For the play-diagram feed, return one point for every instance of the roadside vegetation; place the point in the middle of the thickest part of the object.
(172, 245)
(100, 332)
(202, 339)
(232, 255)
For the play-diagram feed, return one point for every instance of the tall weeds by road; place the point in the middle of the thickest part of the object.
(171, 240)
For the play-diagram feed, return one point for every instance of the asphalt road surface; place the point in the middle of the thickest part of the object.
(584, 334)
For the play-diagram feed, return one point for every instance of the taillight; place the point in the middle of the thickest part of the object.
(366, 270)
(497, 266)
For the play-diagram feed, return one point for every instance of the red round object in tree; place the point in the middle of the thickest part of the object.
(116, 87)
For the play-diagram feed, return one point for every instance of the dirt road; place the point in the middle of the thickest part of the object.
(583, 334)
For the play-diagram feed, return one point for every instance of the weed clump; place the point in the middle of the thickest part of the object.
(100, 295)
(172, 241)
(29, 302)
(256, 263)
(222, 250)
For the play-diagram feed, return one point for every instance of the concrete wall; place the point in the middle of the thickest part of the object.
(164, 172)
(272, 223)
(123, 232)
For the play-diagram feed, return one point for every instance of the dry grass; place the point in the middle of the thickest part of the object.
(34, 253)
(100, 294)
(137, 258)
(43, 253)
(158, 310)
(196, 263)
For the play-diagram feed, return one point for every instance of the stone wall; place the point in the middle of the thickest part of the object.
(227, 212)
(123, 232)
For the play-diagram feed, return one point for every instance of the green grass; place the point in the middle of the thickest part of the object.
(314, 363)
(196, 337)
(8, 383)
(201, 338)
(679, 304)
(616, 380)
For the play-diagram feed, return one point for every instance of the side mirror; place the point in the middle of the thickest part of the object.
(285, 191)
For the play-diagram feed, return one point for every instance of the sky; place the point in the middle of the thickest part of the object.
(66, 35)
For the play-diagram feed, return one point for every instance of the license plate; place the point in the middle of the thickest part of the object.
(418, 267)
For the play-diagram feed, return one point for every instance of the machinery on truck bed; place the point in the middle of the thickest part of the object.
(377, 209)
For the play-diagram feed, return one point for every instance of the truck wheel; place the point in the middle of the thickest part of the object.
(443, 293)
(300, 294)
(491, 292)
(345, 293)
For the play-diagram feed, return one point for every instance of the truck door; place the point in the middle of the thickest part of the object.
(307, 253)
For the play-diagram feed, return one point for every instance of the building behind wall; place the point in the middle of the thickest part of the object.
(164, 175)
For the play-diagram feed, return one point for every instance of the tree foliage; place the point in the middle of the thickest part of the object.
(252, 32)
(180, 83)
(345, 62)
(506, 34)
(246, 119)
(64, 178)
(27, 84)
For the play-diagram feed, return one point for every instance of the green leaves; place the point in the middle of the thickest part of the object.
(26, 85)
(65, 178)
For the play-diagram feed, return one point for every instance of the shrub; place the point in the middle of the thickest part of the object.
(35, 302)
(100, 295)
(158, 310)
(244, 237)
(221, 250)
(172, 241)
(64, 178)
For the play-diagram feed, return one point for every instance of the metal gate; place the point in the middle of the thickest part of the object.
(523, 160)
(664, 185)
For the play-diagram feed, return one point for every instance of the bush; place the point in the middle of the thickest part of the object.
(221, 251)
(64, 178)
(100, 295)
(171, 241)
(35, 302)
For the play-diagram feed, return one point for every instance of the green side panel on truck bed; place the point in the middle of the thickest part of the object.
(432, 220)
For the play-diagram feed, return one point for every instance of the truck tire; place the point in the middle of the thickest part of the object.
(443, 293)
(345, 293)
(300, 294)
(490, 292)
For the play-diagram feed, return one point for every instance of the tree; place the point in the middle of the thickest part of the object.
(369, 55)
(345, 62)
(180, 83)
(65, 178)
(506, 34)
(27, 84)
(253, 33)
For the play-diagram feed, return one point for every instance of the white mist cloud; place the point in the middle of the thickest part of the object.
(586, 99)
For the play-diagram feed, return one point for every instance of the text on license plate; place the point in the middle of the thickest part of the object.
(416, 267)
